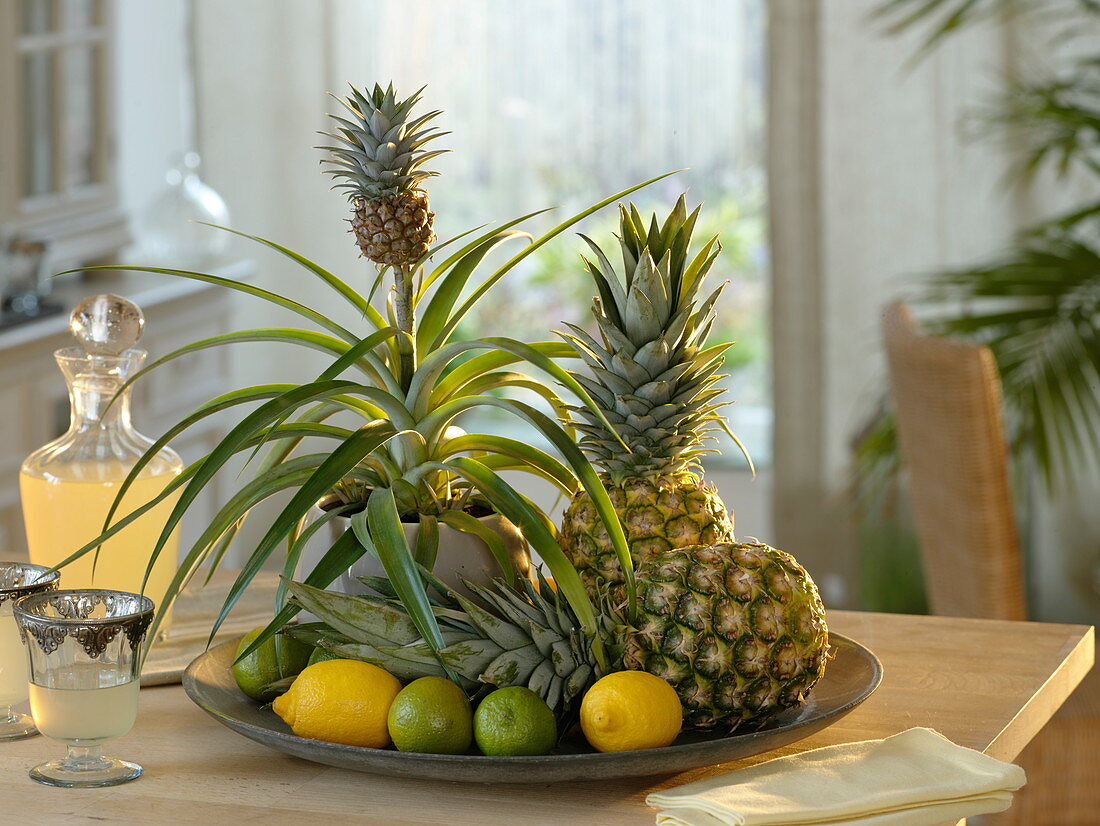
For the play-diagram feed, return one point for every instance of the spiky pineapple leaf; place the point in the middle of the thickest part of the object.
(427, 541)
(504, 634)
(458, 377)
(334, 468)
(289, 475)
(337, 284)
(385, 397)
(255, 423)
(540, 533)
(589, 480)
(505, 446)
(300, 542)
(343, 553)
(359, 618)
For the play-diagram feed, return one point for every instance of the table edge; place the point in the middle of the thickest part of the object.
(1050, 697)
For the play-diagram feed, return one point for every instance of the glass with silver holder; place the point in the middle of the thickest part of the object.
(17, 580)
(85, 652)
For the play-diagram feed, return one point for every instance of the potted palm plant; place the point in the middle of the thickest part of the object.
(403, 482)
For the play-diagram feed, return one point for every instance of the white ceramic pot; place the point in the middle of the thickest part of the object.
(460, 556)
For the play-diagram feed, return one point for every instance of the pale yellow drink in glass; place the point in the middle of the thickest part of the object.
(62, 514)
(86, 706)
(13, 660)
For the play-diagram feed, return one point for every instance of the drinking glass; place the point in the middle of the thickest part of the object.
(17, 580)
(84, 648)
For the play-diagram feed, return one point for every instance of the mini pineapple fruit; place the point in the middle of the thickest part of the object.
(378, 160)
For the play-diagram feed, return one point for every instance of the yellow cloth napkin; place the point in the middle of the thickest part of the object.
(915, 778)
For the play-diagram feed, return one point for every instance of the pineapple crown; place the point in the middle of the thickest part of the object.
(523, 635)
(650, 370)
(380, 150)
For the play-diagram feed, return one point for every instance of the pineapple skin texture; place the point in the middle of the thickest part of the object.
(738, 629)
(657, 514)
(394, 230)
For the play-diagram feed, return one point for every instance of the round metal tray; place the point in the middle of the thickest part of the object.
(850, 678)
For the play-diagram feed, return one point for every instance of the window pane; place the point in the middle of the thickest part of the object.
(38, 16)
(572, 100)
(80, 14)
(81, 122)
(39, 118)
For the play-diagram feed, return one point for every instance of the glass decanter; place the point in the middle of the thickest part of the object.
(67, 486)
(172, 231)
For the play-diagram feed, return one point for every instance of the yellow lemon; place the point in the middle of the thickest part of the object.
(340, 701)
(631, 710)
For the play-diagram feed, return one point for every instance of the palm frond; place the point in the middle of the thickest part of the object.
(1052, 122)
(942, 18)
(1038, 311)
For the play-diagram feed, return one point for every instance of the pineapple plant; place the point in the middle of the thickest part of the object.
(653, 378)
(737, 629)
(399, 377)
(378, 159)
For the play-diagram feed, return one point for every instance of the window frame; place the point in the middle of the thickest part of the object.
(83, 223)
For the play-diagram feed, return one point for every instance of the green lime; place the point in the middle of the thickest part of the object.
(514, 721)
(278, 658)
(319, 655)
(431, 715)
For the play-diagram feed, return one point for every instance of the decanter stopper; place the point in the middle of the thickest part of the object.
(106, 325)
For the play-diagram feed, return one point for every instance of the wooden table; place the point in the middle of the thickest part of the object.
(989, 685)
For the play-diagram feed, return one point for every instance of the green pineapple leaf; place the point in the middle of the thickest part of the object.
(334, 468)
(379, 529)
(351, 296)
(344, 553)
(240, 286)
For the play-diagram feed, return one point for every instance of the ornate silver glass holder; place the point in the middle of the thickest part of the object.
(17, 580)
(85, 650)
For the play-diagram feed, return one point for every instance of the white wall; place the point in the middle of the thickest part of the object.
(872, 182)
(149, 63)
(262, 78)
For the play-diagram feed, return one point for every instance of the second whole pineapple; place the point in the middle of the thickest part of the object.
(655, 381)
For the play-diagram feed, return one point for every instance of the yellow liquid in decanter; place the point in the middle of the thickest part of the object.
(62, 513)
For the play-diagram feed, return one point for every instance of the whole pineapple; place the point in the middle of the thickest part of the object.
(655, 382)
(737, 629)
(378, 160)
